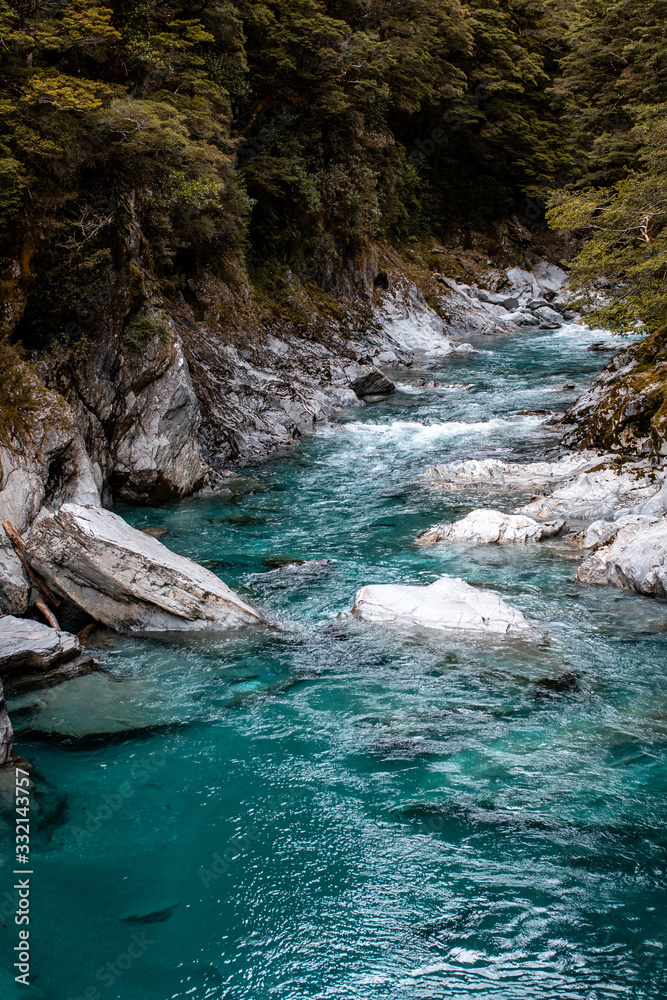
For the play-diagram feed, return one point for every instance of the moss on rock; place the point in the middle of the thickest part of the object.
(626, 410)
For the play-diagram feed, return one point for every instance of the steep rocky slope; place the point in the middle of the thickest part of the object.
(625, 410)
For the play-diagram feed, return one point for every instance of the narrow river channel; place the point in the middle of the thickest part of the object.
(341, 810)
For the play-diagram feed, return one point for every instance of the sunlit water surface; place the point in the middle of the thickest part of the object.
(347, 811)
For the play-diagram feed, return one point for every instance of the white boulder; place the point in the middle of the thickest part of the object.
(492, 526)
(126, 579)
(596, 534)
(635, 559)
(449, 603)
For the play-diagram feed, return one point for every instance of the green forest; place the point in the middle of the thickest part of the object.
(300, 131)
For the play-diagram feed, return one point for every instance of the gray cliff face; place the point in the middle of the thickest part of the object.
(139, 417)
(154, 447)
(164, 388)
(48, 464)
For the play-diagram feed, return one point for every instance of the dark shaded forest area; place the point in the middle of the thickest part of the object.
(266, 132)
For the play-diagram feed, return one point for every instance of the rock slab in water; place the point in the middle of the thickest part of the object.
(494, 473)
(449, 603)
(293, 574)
(29, 645)
(636, 559)
(484, 527)
(127, 580)
(596, 494)
(373, 383)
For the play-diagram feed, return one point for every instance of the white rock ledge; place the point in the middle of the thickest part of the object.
(636, 559)
(449, 603)
(126, 579)
(494, 473)
(488, 527)
(594, 495)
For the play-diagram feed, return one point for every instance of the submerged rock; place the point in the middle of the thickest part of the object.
(156, 532)
(152, 916)
(449, 603)
(292, 575)
(552, 686)
(492, 526)
(635, 559)
(126, 579)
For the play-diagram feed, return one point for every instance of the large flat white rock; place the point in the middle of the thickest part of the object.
(449, 603)
(127, 579)
(488, 527)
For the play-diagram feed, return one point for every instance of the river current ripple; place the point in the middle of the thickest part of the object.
(338, 810)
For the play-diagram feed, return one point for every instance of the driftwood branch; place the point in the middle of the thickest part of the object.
(42, 606)
(45, 592)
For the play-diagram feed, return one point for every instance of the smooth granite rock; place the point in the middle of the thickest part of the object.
(635, 559)
(126, 579)
(494, 473)
(449, 603)
(594, 495)
(491, 526)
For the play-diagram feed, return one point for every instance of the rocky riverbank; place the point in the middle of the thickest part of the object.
(617, 513)
(166, 420)
(625, 410)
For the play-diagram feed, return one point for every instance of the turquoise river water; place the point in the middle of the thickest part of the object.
(341, 810)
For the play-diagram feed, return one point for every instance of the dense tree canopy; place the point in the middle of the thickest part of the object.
(613, 95)
(301, 130)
